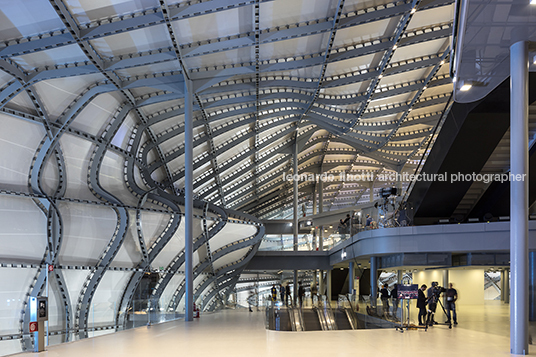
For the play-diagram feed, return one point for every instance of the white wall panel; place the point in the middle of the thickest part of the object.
(56, 308)
(9, 347)
(172, 248)
(200, 255)
(77, 153)
(107, 298)
(87, 231)
(231, 233)
(173, 284)
(74, 280)
(23, 235)
(19, 139)
(122, 136)
(231, 257)
(111, 178)
(94, 117)
(50, 176)
(58, 94)
(14, 284)
(129, 254)
(153, 224)
(176, 244)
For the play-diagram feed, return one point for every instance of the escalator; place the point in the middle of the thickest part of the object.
(341, 319)
(311, 320)
(278, 319)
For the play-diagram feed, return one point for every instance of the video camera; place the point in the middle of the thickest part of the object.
(437, 290)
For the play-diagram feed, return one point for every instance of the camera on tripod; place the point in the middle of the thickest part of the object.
(437, 290)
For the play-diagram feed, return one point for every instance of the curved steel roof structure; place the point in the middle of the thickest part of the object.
(359, 85)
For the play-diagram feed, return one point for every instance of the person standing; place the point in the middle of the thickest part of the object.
(288, 297)
(250, 298)
(421, 304)
(282, 291)
(385, 300)
(314, 293)
(274, 293)
(394, 296)
(301, 293)
(345, 225)
(451, 295)
(368, 221)
(433, 296)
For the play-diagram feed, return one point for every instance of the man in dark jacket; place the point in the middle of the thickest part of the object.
(421, 304)
(385, 299)
(451, 296)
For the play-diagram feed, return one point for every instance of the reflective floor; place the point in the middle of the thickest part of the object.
(482, 331)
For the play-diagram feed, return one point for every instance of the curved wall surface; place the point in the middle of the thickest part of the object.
(73, 200)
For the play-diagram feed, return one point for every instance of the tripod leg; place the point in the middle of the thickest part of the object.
(448, 317)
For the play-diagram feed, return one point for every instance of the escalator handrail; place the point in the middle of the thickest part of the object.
(328, 314)
(350, 313)
(321, 318)
(299, 312)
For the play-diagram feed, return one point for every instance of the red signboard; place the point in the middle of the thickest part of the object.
(51, 268)
(33, 326)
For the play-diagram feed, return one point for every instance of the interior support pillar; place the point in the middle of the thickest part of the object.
(507, 286)
(188, 200)
(295, 288)
(314, 199)
(328, 285)
(321, 210)
(351, 277)
(295, 202)
(519, 208)
(373, 281)
(532, 286)
(502, 285)
(320, 195)
(320, 282)
(445, 285)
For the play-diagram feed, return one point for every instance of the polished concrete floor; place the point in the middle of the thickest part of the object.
(482, 331)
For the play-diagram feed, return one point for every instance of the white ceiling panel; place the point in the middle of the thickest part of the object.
(132, 42)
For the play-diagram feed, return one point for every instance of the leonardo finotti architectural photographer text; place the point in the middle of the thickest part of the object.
(404, 177)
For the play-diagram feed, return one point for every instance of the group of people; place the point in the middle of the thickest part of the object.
(427, 304)
(385, 295)
(285, 293)
(345, 224)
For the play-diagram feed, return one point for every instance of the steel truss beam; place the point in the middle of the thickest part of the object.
(73, 28)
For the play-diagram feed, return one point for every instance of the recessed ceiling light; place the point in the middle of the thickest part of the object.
(414, 10)
(395, 47)
(533, 2)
